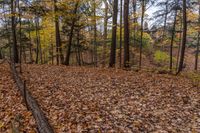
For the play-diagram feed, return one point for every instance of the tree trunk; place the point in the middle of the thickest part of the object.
(41, 52)
(14, 38)
(37, 39)
(114, 35)
(95, 36)
(134, 2)
(179, 47)
(135, 20)
(165, 20)
(141, 36)
(20, 35)
(59, 53)
(105, 32)
(78, 48)
(197, 53)
(198, 43)
(120, 36)
(184, 38)
(126, 34)
(52, 53)
(180, 41)
(67, 59)
(1, 57)
(30, 45)
(172, 42)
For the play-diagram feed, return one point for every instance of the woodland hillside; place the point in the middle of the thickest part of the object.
(92, 66)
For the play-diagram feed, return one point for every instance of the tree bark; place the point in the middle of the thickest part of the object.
(30, 45)
(95, 36)
(126, 34)
(59, 54)
(14, 38)
(135, 20)
(179, 47)
(67, 59)
(114, 35)
(172, 42)
(184, 38)
(141, 36)
(165, 21)
(78, 48)
(198, 43)
(20, 36)
(1, 57)
(120, 36)
(105, 32)
(37, 39)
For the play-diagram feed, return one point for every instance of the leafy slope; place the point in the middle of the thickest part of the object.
(13, 113)
(107, 100)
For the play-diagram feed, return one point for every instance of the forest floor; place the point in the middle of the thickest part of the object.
(13, 113)
(81, 99)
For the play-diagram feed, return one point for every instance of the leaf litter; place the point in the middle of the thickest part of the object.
(14, 116)
(81, 99)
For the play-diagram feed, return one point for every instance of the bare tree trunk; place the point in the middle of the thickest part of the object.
(67, 59)
(14, 38)
(44, 56)
(180, 41)
(134, 24)
(141, 36)
(197, 50)
(1, 57)
(172, 42)
(59, 53)
(37, 39)
(8, 36)
(52, 58)
(24, 53)
(78, 48)
(126, 34)
(120, 36)
(197, 53)
(184, 38)
(41, 51)
(57, 34)
(105, 32)
(30, 45)
(81, 57)
(165, 20)
(179, 48)
(20, 36)
(114, 35)
(135, 20)
(95, 36)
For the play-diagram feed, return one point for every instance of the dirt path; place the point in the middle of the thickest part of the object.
(13, 113)
(107, 100)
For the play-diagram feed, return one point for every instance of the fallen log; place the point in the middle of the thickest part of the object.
(43, 125)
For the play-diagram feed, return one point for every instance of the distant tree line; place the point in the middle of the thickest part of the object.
(96, 32)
